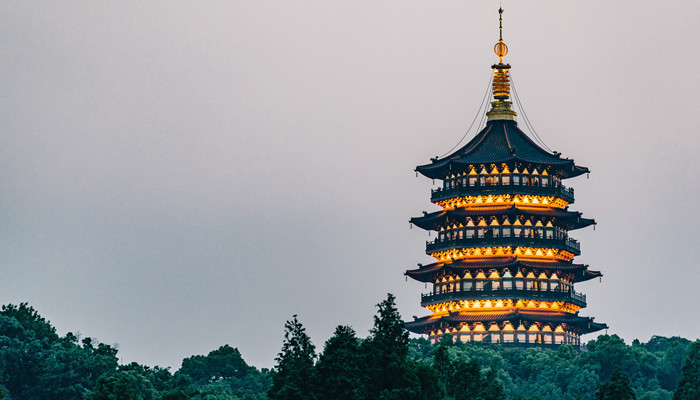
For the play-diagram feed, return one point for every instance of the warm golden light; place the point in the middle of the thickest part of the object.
(502, 199)
(535, 253)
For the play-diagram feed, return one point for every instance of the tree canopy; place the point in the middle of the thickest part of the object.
(36, 363)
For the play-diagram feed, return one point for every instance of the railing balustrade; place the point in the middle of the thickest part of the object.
(477, 293)
(562, 243)
(444, 193)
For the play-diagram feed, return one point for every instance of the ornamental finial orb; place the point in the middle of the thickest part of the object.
(500, 49)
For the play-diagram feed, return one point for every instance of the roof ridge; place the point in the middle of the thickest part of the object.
(483, 136)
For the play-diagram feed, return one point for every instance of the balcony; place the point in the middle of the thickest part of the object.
(565, 243)
(569, 296)
(478, 189)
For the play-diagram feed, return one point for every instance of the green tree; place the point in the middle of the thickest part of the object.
(293, 375)
(223, 363)
(689, 385)
(618, 387)
(123, 385)
(338, 374)
(174, 394)
(385, 351)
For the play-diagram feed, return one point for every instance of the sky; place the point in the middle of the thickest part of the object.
(176, 176)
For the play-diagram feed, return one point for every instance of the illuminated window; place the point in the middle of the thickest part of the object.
(505, 179)
(507, 284)
(516, 180)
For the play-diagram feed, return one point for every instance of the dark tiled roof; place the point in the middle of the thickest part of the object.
(567, 219)
(428, 273)
(500, 142)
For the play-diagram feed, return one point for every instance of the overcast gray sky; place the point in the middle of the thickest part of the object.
(175, 176)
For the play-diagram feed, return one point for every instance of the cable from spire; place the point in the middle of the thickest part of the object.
(527, 120)
(478, 113)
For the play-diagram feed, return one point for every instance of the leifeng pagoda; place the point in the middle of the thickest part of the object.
(504, 271)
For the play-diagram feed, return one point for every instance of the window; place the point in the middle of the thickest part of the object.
(507, 284)
(472, 181)
(516, 180)
(559, 338)
(505, 179)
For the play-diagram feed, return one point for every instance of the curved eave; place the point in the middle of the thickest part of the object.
(429, 273)
(500, 142)
(433, 221)
(454, 319)
(439, 169)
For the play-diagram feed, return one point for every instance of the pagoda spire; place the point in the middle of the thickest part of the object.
(501, 108)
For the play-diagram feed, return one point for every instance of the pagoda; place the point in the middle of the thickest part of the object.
(504, 270)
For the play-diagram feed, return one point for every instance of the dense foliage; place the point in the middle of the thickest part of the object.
(36, 363)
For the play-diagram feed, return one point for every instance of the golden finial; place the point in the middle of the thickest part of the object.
(500, 48)
(501, 108)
